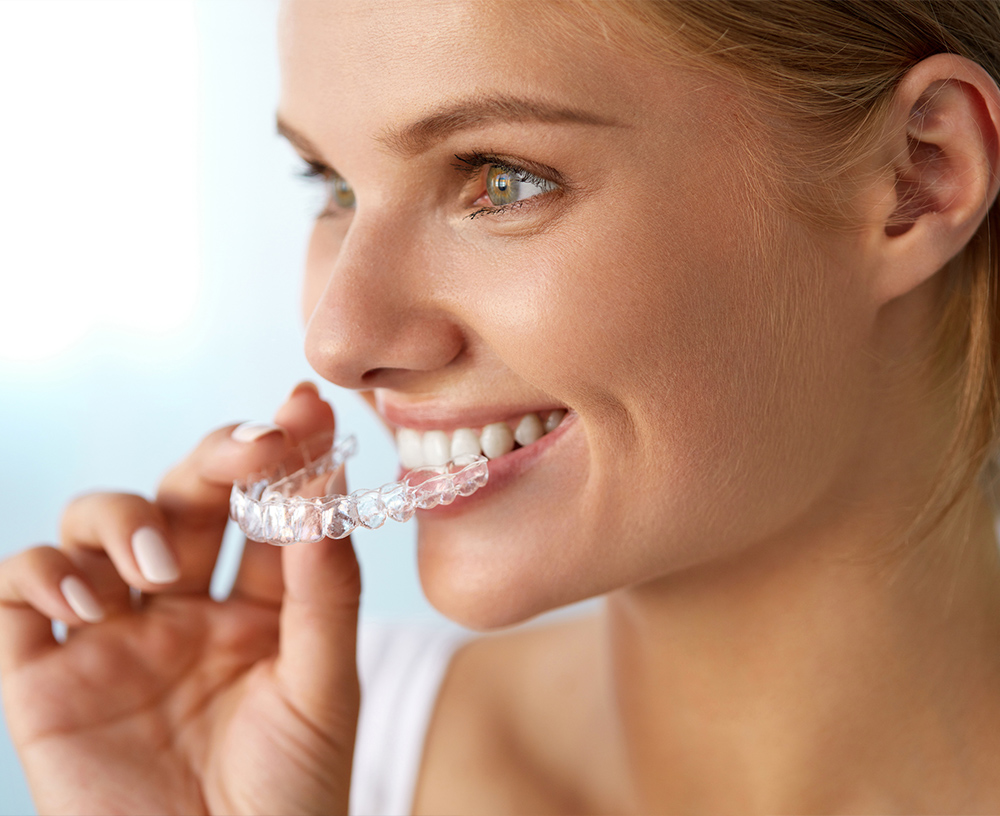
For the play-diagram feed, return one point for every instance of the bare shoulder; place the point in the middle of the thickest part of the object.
(507, 719)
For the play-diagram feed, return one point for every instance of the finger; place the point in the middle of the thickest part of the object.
(305, 414)
(114, 594)
(317, 663)
(130, 530)
(38, 586)
(194, 496)
(198, 488)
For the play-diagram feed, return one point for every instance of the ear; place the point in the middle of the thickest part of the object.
(943, 144)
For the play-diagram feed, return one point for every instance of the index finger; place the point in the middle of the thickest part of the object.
(260, 576)
(200, 485)
(194, 496)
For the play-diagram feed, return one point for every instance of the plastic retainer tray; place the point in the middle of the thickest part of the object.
(276, 507)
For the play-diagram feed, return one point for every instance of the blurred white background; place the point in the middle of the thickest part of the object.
(152, 231)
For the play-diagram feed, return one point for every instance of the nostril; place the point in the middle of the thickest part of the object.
(391, 377)
(373, 376)
(351, 343)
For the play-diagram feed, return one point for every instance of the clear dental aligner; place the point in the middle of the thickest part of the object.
(267, 507)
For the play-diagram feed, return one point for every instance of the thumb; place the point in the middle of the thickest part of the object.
(317, 657)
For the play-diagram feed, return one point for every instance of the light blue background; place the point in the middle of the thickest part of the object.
(118, 406)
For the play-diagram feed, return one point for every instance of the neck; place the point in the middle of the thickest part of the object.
(801, 677)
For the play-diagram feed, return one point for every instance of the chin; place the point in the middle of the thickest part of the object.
(490, 582)
(480, 612)
(469, 580)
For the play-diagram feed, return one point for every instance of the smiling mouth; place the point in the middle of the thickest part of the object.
(436, 447)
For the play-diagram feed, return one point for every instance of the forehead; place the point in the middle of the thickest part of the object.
(378, 62)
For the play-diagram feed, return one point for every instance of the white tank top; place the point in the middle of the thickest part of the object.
(401, 668)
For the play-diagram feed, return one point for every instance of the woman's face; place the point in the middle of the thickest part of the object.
(702, 354)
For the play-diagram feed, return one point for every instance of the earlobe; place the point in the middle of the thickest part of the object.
(944, 139)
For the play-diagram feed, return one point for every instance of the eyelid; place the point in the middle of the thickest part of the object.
(313, 169)
(319, 172)
(472, 165)
(317, 169)
(472, 162)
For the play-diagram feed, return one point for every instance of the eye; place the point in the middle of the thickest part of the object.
(501, 184)
(338, 193)
(341, 193)
(507, 185)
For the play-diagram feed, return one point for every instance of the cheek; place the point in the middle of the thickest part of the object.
(668, 301)
(707, 366)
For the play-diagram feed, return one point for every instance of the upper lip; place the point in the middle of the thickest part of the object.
(437, 417)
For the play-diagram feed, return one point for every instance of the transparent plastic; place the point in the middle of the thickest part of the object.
(292, 502)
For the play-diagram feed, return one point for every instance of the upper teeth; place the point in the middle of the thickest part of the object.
(423, 448)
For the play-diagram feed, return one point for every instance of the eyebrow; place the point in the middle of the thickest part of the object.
(418, 137)
(305, 147)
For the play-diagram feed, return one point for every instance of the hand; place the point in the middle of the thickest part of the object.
(181, 704)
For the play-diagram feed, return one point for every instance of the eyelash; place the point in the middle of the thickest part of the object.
(314, 170)
(317, 172)
(469, 164)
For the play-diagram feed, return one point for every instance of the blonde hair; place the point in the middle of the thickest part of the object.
(820, 75)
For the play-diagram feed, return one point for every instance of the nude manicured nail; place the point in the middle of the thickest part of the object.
(156, 562)
(302, 387)
(252, 431)
(81, 599)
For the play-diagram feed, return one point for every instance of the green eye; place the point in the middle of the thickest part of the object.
(505, 185)
(342, 193)
(501, 186)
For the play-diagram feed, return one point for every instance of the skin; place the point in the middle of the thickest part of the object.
(633, 267)
(750, 423)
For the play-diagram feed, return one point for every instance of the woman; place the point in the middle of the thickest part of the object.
(746, 248)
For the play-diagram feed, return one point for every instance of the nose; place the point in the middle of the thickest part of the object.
(380, 316)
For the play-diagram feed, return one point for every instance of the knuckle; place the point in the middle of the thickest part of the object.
(81, 503)
(91, 518)
(100, 503)
(31, 565)
(38, 557)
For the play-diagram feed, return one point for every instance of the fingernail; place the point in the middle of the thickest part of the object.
(252, 431)
(81, 599)
(156, 563)
(302, 387)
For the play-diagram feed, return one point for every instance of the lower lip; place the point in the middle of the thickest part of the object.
(504, 470)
